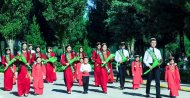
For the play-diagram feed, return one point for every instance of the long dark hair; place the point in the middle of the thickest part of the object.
(66, 50)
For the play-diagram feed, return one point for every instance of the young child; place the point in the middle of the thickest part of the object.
(172, 76)
(78, 72)
(85, 69)
(136, 72)
(38, 74)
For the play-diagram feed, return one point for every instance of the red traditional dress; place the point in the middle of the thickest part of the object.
(14, 77)
(104, 72)
(78, 73)
(9, 73)
(38, 72)
(97, 66)
(32, 56)
(23, 76)
(68, 75)
(111, 75)
(50, 70)
(172, 76)
(136, 68)
(38, 54)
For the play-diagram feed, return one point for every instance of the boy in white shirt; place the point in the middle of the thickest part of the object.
(119, 55)
(85, 69)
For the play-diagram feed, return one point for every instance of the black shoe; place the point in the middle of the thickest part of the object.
(147, 96)
(121, 88)
(85, 92)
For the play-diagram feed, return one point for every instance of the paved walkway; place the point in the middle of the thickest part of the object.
(58, 90)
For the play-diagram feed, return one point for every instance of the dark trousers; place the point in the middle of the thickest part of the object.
(117, 77)
(122, 74)
(154, 73)
(85, 80)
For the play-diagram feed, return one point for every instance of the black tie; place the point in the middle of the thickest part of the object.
(153, 49)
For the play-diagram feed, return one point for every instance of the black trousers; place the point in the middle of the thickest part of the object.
(154, 73)
(117, 76)
(85, 80)
(122, 75)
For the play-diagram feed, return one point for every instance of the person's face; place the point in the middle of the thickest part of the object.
(123, 47)
(30, 47)
(49, 49)
(38, 49)
(81, 49)
(8, 51)
(104, 47)
(81, 60)
(24, 46)
(39, 60)
(86, 60)
(153, 44)
(99, 47)
(69, 49)
(137, 59)
(172, 61)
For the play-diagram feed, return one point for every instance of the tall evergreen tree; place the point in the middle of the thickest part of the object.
(66, 19)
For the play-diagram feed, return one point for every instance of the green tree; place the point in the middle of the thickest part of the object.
(87, 48)
(34, 35)
(125, 21)
(13, 18)
(168, 18)
(96, 27)
(66, 19)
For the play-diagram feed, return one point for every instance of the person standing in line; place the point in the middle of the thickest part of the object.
(121, 54)
(136, 69)
(97, 63)
(152, 54)
(172, 77)
(38, 74)
(85, 69)
(68, 74)
(9, 72)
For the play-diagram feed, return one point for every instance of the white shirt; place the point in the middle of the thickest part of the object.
(147, 57)
(85, 67)
(118, 56)
(32, 51)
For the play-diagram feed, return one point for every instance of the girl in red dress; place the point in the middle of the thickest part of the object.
(78, 73)
(50, 67)
(68, 74)
(38, 53)
(136, 68)
(104, 71)
(38, 74)
(9, 73)
(172, 76)
(23, 74)
(97, 63)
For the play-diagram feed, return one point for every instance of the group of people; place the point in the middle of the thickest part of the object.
(36, 71)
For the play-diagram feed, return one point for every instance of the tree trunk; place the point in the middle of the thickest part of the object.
(182, 46)
(11, 43)
(132, 46)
